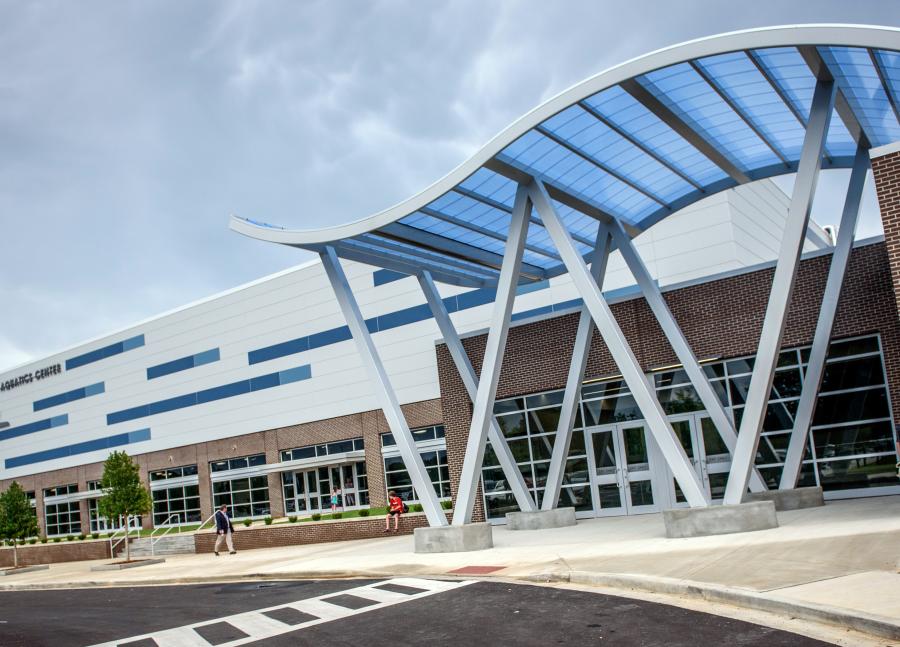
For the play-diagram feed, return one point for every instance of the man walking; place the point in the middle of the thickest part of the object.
(224, 530)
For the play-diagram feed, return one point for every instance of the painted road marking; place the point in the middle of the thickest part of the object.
(265, 623)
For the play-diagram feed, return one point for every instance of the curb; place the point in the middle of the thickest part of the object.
(882, 626)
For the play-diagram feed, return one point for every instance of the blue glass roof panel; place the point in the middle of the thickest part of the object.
(889, 62)
(858, 79)
(689, 96)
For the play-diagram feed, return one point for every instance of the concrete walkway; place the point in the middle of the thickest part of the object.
(842, 557)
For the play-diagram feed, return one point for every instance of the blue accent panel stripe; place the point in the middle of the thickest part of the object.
(107, 442)
(69, 396)
(34, 427)
(209, 395)
(183, 363)
(103, 353)
(380, 277)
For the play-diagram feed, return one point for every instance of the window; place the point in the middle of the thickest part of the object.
(63, 518)
(176, 496)
(432, 448)
(325, 449)
(245, 497)
(173, 473)
(238, 463)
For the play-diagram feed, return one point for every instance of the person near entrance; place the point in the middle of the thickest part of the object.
(224, 530)
(395, 509)
(335, 498)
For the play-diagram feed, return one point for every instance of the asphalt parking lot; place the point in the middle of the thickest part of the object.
(401, 611)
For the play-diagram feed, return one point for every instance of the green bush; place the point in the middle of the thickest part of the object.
(268, 521)
(337, 515)
(82, 537)
(70, 537)
(95, 535)
(43, 540)
(446, 505)
(56, 540)
(32, 541)
(316, 516)
(415, 507)
(247, 522)
(292, 519)
(363, 513)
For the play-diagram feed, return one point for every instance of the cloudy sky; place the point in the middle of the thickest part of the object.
(129, 131)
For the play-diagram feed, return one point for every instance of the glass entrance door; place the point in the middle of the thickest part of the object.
(621, 469)
(707, 453)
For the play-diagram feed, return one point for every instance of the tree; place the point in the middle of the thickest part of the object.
(17, 520)
(123, 493)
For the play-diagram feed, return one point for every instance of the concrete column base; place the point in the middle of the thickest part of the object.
(796, 499)
(540, 519)
(720, 519)
(453, 539)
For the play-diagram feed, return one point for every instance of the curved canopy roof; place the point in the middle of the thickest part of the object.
(635, 143)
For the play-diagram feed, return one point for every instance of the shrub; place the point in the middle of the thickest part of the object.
(32, 541)
(43, 540)
(363, 513)
(82, 537)
(316, 516)
(70, 537)
(268, 521)
(292, 519)
(56, 540)
(415, 507)
(95, 535)
(446, 505)
(247, 522)
(337, 515)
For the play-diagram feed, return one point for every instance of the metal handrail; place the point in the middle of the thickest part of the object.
(208, 519)
(127, 533)
(166, 530)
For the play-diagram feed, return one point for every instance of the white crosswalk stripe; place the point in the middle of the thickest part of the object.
(258, 626)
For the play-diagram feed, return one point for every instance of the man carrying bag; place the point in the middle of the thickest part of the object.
(224, 530)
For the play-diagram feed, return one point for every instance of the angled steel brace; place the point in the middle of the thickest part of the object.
(812, 380)
(483, 407)
(780, 295)
(470, 381)
(634, 377)
(680, 345)
(383, 390)
(572, 395)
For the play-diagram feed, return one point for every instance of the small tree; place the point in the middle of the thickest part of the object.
(17, 520)
(123, 493)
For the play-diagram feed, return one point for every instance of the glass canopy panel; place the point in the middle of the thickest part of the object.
(371, 243)
(737, 77)
(626, 113)
(690, 97)
(787, 68)
(453, 232)
(492, 186)
(859, 81)
(590, 135)
(889, 62)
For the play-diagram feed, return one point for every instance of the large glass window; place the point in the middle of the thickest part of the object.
(245, 497)
(433, 450)
(309, 490)
(242, 462)
(62, 518)
(176, 496)
(323, 449)
(99, 523)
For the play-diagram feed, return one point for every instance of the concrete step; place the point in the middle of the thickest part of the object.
(168, 545)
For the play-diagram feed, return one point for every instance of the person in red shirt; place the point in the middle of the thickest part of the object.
(395, 509)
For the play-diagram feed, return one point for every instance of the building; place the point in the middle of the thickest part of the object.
(261, 397)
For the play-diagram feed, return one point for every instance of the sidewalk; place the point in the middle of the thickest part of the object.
(843, 557)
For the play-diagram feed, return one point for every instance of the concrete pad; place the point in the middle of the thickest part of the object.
(453, 539)
(118, 566)
(720, 519)
(796, 499)
(875, 592)
(540, 519)
(24, 569)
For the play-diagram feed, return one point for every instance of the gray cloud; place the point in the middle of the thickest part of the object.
(130, 130)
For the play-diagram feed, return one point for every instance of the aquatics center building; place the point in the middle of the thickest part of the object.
(610, 307)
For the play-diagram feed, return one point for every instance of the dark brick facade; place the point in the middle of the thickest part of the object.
(886, 171)
(720, 318)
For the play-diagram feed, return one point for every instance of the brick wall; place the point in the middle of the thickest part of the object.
(67, 551)
(720, 319)
(886, 171)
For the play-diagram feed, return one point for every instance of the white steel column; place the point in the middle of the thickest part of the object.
(470, 381)
(780, 295)
(643, 394)
(383, 390)
(483, 407)
(812, 379)
(572, 395)
(679, 343)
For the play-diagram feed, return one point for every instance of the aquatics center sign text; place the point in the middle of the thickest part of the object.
(28, 378)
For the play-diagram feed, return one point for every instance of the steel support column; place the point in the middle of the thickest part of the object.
(470, 381)
(812, 379)
(782, 288)
(483, 407)
(572, 395)
(679, 343)
(643, 394)
(383, 390)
